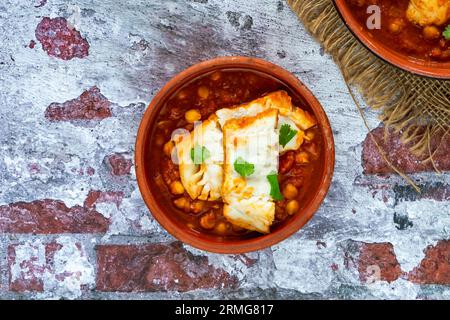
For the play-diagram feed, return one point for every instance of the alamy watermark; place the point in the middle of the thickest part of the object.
(374, 20)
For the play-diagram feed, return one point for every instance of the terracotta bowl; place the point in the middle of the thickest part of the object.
(421, 67)
(166, 217)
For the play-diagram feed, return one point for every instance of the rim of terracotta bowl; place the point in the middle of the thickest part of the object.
(162, 214)
(440, 70)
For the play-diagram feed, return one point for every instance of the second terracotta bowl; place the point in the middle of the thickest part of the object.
(152, 193)
(382, 50)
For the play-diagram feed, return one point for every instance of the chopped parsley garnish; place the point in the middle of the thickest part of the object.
(243, 167)
(199, 154)
(446, 33)
(274, 187)
(286, 134)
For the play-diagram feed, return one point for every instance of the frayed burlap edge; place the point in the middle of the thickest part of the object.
(407, 103)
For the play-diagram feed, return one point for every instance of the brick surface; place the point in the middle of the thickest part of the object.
(90, 105)
(246, 260)
(31, 270)
(35, 266)
(377, 261)
(397, 193)
(399, 154)
(435, 267)
(49, 216)
(435, 191)
(40, 3)
(118, 164)
(61, 40)
(96, 196)
(66, 163)
(156, 267)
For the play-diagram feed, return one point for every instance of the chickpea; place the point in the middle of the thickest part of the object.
(163, 124)
(197, 206)
(216, 76)
(168, 147)
(446, 54)
(292, 207)
(222, 227)
(203, 92)
(436, 53)
(408, 44)
(181, 203)
(176, 187)
(431, 33)
(290, 191)
(159, 140)
(182, 95)
(191, 225)
(159, 181)
(192, 115)
(208, 220)
(302, 157)
(310, 135)
(396, 25)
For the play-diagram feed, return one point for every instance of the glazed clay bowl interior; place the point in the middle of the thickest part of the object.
(153, 195)
(432, 69)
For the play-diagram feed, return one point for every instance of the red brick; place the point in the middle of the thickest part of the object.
(381, 255)
(50, 250)
(49, 217)
(31, 270)
(30, 277)
(375, 261)
(435, 267)
(90, 171)
(95, 196)
(156, 267)
(35, 268)
(60, 40)
(400, 155)
(119, 164)
(90, 105)
(245, 259)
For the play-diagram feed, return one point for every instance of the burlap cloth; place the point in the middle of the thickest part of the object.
(415, 106)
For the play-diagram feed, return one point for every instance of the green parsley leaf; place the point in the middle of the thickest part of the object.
(286, 134)
(446, 33)
(243, 167)
(199, 154)
(274, 187)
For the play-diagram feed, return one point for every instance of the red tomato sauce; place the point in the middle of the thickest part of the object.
(206, 94)
(402, 35)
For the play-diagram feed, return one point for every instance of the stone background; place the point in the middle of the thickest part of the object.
(75, 79)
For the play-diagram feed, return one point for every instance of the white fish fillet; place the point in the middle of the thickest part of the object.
(248, 203)
(297, 118)
(202, 181)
